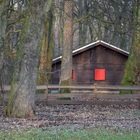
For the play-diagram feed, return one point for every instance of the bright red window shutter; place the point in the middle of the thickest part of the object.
(100, 74)
(73, 75)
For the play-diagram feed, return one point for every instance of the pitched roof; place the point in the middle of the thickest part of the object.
(94, 44)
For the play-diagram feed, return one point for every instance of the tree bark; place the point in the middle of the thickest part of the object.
(132, 71)
(66, 66)
(24, 101)
(57, 26)
(3, 23)
(46, 53)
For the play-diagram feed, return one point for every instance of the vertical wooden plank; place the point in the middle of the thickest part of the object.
(94, 91)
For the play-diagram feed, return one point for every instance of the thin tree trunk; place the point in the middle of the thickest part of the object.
(57, 27)
(3, 23)
(46, 54)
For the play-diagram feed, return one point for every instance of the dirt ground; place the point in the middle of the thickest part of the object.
(76, 117)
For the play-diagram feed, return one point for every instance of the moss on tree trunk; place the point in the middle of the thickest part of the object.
(23, 94)
(65, 83)
(46, 54)
(132, 70)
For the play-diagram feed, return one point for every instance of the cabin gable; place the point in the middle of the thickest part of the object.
(98, 61)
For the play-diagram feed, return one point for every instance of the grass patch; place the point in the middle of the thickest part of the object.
(92, 134)
(122, 92)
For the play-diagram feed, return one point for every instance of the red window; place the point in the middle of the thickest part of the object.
(73, 75)
(100, 74)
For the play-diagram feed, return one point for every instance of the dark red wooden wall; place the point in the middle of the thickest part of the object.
(98, 57)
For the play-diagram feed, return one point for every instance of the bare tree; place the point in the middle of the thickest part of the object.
(46, 53)
(23, 90)
(3, 23)
(58, 25)
(66, 66)
(132, 72)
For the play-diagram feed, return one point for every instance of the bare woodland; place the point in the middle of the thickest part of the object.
(33, 32)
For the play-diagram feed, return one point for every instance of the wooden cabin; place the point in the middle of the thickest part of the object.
(98, 62)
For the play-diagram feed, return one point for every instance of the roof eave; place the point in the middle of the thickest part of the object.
(96, 43)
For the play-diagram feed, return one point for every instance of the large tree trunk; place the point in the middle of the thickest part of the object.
(23, 104)
(132, 71)
(24, 100)
(66, 66)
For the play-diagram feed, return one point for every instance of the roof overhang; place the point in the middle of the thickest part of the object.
(94, 44)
